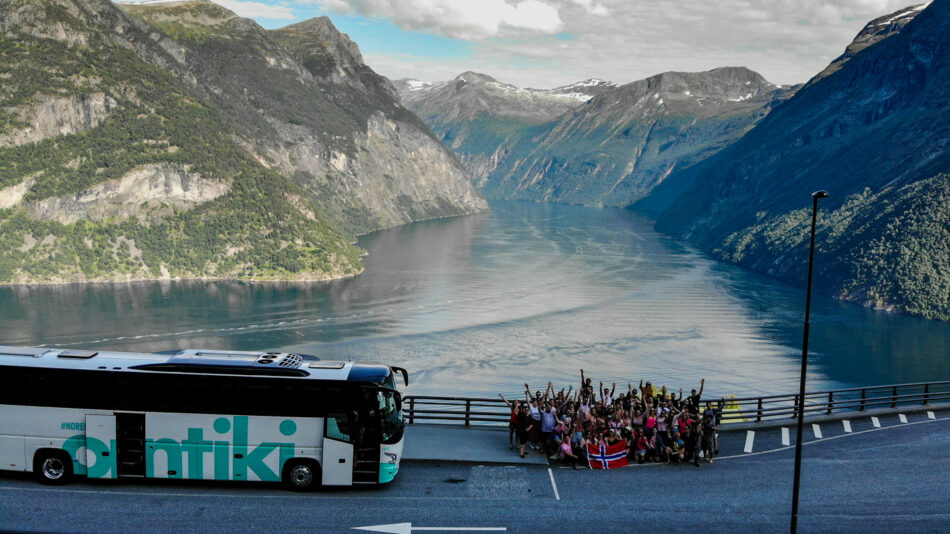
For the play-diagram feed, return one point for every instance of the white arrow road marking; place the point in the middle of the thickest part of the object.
(847, 425)
(876, 422)
(749, 438)
(785, 441)
(930, 415)
(902, 417)
(817, 430)
(407, 528)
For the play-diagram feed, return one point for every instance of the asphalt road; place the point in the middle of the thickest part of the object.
(888, 479)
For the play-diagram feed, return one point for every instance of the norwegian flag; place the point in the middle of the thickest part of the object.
(607, 456)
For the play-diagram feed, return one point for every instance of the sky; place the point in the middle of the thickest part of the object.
(549, 43)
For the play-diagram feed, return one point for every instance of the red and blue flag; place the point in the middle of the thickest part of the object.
(607, 456)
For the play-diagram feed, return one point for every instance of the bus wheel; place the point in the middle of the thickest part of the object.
(301, 475)
(52, 466)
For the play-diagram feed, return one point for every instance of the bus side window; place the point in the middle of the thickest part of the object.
(337, 427)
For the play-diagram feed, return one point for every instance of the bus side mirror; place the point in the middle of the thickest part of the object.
(405, 374)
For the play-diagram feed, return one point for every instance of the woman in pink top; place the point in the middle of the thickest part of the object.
(649, 423)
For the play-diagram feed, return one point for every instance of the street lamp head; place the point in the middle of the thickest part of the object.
(820, 194)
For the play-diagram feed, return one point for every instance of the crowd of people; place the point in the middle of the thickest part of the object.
(657, 425)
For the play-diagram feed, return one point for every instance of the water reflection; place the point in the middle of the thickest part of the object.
(482, 304)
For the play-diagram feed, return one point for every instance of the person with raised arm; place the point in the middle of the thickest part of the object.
(587, 388)
(534, 410)
(548, 423)
(512, 420)
(607, 395)
(647, 390)
(693, 400)
(563, 400)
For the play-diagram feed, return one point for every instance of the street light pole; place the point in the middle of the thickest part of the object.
(801, 389)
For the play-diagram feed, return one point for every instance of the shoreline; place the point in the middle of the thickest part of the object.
(185, 279)
(355, 242)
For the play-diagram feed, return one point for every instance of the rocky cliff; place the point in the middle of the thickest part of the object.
(305, 104)
(183, 141)
(874, 131)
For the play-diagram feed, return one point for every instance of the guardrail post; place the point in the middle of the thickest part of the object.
(831, 401)
(894, 397)
(468, 411)
(864, 395)
(758, 415)
(926, 394)
(412, 409)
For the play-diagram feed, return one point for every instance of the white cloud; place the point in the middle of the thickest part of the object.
(461, 19)
(787, 41)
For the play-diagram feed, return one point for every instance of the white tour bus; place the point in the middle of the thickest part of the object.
(196, 414)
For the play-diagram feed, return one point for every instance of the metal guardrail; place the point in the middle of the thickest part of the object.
(455, 409)
(777, 407)
(468, 410)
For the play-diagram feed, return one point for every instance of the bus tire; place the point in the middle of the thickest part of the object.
(301, 474)
(52, 466)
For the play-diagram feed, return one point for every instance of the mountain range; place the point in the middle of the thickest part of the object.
(728, 161)
(179, 140)
(474, 114)
(592, 142)
(616, 147)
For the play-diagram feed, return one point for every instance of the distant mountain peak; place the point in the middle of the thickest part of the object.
(873, 32)
(473, 94)
(472, 76)
(323, 30)
(689, 89)
(412, 84)
(589, 82)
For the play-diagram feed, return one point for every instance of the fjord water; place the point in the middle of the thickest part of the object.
(481, 304)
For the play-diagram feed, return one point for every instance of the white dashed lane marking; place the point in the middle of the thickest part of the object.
(785, 441)
(847, 425)
(817, 430)
(902, 417)
(930, 415)
(557, 496)
(876, 422)
(749, 438)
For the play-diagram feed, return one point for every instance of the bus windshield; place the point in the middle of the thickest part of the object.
(390, 416)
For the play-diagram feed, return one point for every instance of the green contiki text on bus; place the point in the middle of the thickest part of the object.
(232, 459)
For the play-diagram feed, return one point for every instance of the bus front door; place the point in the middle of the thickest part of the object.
(366, 460)
(337, 451)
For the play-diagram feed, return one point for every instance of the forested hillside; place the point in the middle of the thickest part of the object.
(184, 141)
(874, 131)
(111, 169)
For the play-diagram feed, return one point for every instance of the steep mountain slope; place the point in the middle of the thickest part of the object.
(873, 32)
(112, 169)
(304, 103)
(875, 133)
(475, 113)
(619, 145)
